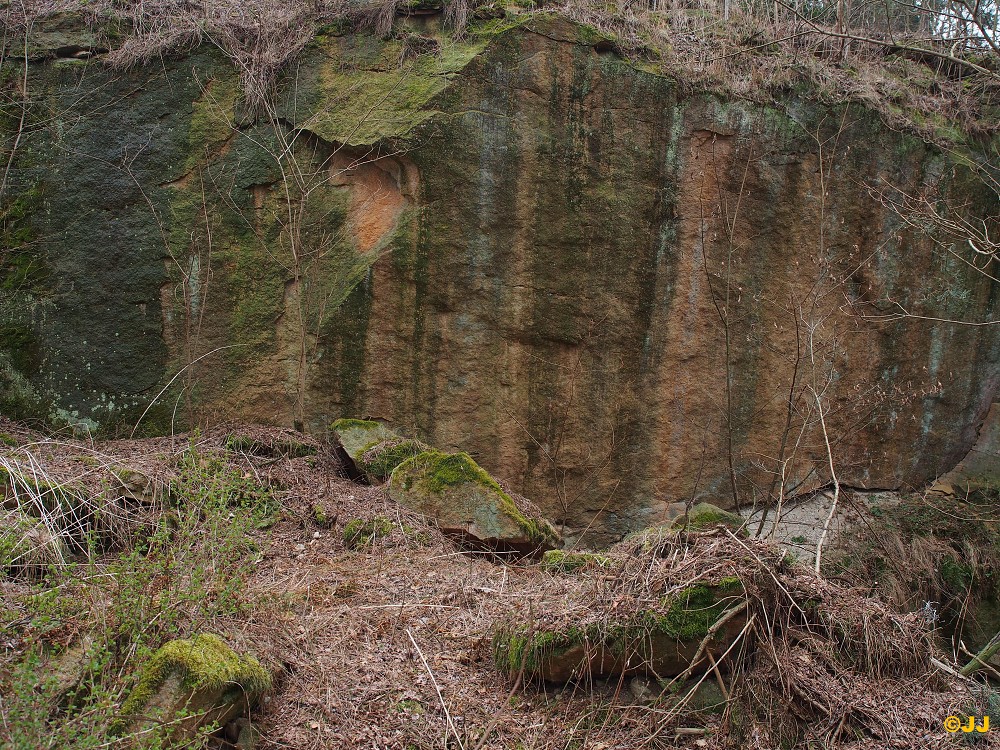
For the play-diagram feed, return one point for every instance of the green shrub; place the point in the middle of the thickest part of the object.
(190, 568)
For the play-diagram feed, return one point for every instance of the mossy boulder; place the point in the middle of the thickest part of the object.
(560, 561)
(190, 683)
(705, 517)
(372, 449)
(469, 504)
(379, 460)
(660, 641)
(356, 437)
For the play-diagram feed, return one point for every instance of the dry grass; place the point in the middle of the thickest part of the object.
(749, 57)
(914, 81)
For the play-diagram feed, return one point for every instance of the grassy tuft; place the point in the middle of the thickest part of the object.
(362, 533)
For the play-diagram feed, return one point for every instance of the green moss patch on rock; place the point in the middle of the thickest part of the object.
(560, 561)
(705, 517)
(662, 640)
(378, 89)
(379, 460)
(201, 677)
(466, 502)
(691, 612)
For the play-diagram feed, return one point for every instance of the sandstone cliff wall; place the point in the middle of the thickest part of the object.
(614, 293)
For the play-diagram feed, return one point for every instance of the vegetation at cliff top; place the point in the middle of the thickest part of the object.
(933, 68)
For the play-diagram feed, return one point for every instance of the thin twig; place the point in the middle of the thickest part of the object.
(437, 688)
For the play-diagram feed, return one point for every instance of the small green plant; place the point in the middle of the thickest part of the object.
(985, 702)
(359, 532)
(411, 705)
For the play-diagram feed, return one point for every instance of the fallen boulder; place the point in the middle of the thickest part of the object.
(371, 450)
(467, 503)
(190, 683)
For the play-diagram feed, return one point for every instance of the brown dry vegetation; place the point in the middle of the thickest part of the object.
(921, 68)
(386, 642)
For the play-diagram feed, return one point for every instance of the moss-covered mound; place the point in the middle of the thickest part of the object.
(560, 561)
(468, 503)
(663, 639)
(272, 445)
(704, 516)
(202, 678)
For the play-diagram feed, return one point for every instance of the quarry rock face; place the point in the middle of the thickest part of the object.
(614, 293)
